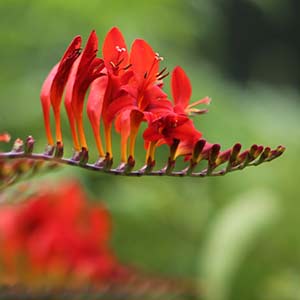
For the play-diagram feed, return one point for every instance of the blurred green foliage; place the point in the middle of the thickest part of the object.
(237, 235)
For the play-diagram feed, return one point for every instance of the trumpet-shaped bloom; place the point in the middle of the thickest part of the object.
(144, 94)
(176, 125)
(166, 129)
(53, 88)
(115, 98)
(89, 68)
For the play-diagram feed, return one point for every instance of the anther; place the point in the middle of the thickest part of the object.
(158, 57)
(161, 72)
(162, 76)
(120, 49)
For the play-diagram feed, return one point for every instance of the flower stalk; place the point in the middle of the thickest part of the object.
(215, 158)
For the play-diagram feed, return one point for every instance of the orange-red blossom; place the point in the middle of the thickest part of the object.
(56, 237)
(126, 88)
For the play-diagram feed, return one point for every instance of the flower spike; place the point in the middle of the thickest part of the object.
(126, 89)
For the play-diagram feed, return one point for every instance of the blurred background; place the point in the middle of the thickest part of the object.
(237, 235)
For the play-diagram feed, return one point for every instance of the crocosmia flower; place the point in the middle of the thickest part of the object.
(125, 88)
(56, 237)
(53, 88)
(176, 124)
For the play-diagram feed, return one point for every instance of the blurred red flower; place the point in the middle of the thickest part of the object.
(56, 237)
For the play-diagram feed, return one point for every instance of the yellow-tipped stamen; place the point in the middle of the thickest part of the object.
(205, 101)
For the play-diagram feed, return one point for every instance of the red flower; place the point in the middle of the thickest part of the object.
(115, 57)
(145, 96)
(176, 125)
(88, 68)
(182, 92)
(166, 129)
(54, 85)
(57, 234)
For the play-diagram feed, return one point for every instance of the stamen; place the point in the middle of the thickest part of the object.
(127, 67)
(205, 101)
(120, 61)
(112, 64)
(161, 72)
(163, 76)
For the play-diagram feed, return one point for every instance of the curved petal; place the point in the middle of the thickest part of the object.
(63, 71)
(181, 88)
(114, 50)
(46, 102)
(118, 105)
(68, 104)
(144, 61)
(94, 108)
(89, 69)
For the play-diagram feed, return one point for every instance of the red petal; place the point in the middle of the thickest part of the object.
(152, 134)
(89, 52)
(68, 104)
(89, 69)
(95, 100)
(46, 102)
(114, 49)
(181, 87)
(144, 61)
(122, 123)
(118, 105)
(94, 108)
(64, 69)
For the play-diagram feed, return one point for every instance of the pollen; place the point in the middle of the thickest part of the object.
(158, 57)
(119, 49)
